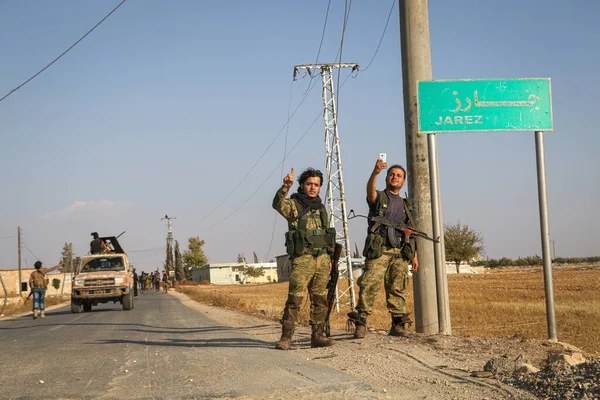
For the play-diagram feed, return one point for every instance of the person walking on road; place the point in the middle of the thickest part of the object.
(387, 252)
(310, 244)
(165, 280)
(135, 283)
(156, 281)
(38, 285)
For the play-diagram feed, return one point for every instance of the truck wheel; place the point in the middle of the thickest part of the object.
(75, 306)
(87, 307)
(128, 301)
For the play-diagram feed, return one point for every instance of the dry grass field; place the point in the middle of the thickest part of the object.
(19, 308)
(500, 303)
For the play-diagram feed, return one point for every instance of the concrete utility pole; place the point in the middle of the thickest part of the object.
(336, 197)
(169, 234)
(19, 260)
(416, 66)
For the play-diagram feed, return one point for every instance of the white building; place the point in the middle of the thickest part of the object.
(232, 273)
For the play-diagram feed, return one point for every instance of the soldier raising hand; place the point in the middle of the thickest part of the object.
(288, 180)
(309, 243)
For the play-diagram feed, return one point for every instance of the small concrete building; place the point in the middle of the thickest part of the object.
(284, 268)
(232, 273)
(10, 277)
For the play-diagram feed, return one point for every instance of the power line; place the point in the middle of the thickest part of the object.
(147, 250)
(346, 14)
(255, 164)
(284, 154)
(64, 52)
(323, 33)
(382, 35)
(30, 252)
(319, 116)
(8, 237)
(268, 177)
(320, 44)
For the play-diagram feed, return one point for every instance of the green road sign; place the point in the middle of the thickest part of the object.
(482, 105)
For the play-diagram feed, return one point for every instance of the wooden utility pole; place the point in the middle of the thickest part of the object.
(19, 259)
(416, 66)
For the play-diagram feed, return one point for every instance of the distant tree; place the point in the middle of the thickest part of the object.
(169, 264)
(241, 259)
(194, 256)
(255, 257)
(67, 255)
(253, 272)
(531, 261)
(356, 252)
(462, 244)
(180, 273)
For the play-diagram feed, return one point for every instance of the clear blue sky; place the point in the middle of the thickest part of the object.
(168, 105)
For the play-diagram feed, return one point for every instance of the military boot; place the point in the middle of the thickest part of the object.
(42, 314)
(400, 323)
(360, 324)
(318, 338)
(35, 314)
(287, 331)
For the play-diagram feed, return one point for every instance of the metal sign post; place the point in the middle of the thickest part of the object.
(484, 105)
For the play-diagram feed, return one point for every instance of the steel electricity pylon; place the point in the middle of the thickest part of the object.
(336, 198)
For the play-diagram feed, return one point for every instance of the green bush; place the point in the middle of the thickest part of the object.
(56, 283)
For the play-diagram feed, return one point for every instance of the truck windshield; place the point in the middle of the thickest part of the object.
(104, 264)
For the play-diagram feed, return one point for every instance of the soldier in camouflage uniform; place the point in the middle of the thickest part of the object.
(387, 252)
(38, 285)
(310, 244)
(165, 280)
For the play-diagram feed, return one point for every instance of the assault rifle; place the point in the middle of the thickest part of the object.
(332, 285)
(27, 299)
(406, 229)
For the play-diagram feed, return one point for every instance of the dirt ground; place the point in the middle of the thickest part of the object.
(424, 366)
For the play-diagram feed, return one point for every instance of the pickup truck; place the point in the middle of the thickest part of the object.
(101, 278)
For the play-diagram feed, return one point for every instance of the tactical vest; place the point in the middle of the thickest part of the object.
(379, 209)
(300, 240)
(39, 280)
(374, 243)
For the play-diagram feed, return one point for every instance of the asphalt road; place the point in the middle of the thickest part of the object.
(160, 349)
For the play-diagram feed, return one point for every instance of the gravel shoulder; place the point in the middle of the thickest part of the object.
(419, 366)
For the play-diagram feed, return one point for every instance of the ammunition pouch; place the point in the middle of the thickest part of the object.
(330, 240)
(407, 251)
(374, 246)
(299, 242)
(294, 243)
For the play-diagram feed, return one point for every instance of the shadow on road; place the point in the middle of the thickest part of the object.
(170, 330)
(221, 342)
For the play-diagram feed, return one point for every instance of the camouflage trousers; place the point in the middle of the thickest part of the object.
(393, 270)
(308, 273)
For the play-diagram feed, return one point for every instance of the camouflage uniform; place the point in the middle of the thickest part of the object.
(393, 270)
(309, 271)
(389, 265)
(165, 280)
